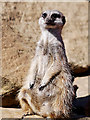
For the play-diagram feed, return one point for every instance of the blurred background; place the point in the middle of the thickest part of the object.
(20, 33)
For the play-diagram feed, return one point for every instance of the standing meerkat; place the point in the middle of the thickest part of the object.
(48, 90)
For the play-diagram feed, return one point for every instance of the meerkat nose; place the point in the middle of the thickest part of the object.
(48, 21)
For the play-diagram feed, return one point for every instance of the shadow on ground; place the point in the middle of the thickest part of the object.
(82, 107)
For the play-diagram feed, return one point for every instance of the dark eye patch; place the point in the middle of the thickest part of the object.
(63, 19)
(55, 16)
(44, 15)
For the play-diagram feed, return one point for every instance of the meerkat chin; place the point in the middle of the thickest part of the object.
(48, 90)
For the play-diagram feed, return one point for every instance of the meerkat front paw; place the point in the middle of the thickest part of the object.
(42, 87)
(31, 85)
(43, 83)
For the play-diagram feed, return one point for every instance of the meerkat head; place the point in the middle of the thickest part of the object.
(52, 19)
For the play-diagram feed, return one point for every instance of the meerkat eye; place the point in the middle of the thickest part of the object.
(55, 16)
(44, 15)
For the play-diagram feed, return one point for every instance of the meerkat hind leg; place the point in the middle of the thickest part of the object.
(26, 108)
(24, 102)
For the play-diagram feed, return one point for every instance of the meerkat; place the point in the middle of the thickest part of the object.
(48, 90)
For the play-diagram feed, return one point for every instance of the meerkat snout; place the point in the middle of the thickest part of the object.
(52, 19)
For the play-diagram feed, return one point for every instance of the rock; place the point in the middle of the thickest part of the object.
(9, 99)
(34, 116)
(14, 113)
(82, 83)
(20, 32)
(79, 71)
(10, 113)
(17, 113)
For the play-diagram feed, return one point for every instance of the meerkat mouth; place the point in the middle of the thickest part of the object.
(51, 24)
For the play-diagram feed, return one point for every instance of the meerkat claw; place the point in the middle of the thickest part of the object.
(31, 85)
(41, 88)
(27, 114)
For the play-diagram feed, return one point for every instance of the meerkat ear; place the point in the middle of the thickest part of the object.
(63, 19)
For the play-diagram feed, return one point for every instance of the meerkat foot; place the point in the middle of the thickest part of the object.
(24, 115)
(27, 114)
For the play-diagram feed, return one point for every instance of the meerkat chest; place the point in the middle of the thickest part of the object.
(45, 49)
(45, 58)
(46, 54)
